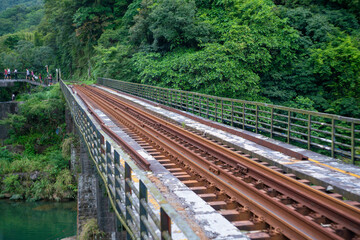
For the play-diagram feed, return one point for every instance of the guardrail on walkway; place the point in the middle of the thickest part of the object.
(4, 83)
(335, 135)
(129, 202)
(21, 77)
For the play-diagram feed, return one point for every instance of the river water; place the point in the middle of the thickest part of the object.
(37, 220)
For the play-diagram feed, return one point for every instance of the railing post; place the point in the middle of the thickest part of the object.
(216, 110)
(257, 119)
(272, 123)
(162, 97)
(171, 97)
(181, 101)
(232, 113)
(207, 107)
(243, 115)
(175, 99)
(143, 213)
(108, 162)
(193, 103)
(200, 106)
(289, 126)
(102, 152)
(117, 183)
(332, 137)
(309, 132)
(165, 223)
(168, 99)
(353, 143)
(222, 111)
(127, 200)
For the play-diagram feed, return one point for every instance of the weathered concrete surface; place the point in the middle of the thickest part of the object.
(92, 199)
(320, 170)
(87, 190)
(5, 109)
(5, 83)
(70, 125)
(10, 83)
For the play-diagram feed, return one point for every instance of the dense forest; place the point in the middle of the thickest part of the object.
(298, 53)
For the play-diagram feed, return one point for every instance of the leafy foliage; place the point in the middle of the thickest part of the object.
(19, 17)
(39, 171)
(276, 51)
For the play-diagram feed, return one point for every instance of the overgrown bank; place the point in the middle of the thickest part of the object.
(34, 161)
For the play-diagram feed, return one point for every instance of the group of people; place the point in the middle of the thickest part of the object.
(31, 76)
(7, 73)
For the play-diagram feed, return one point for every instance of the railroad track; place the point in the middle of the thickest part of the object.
(255, 198)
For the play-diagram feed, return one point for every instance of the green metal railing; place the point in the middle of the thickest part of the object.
(129, 198)
(334, 135)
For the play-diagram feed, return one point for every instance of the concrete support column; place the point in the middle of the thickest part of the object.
(87, 190)
(93, 201)
(70, 126)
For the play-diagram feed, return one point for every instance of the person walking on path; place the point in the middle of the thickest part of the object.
(9, 73)
(5, 73)
(27, 74)
(50, 79)
(15, 74)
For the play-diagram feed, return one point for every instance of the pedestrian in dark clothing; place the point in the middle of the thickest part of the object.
(50, 79)
(15, 74)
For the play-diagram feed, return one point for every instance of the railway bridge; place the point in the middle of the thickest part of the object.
(167, 164)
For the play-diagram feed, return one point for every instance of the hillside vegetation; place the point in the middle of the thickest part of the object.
(34, 161)
(19, 15)
(298, 53)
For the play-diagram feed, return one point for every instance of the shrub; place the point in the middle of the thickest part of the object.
(64, 186)
(91, 230)
(12, 184)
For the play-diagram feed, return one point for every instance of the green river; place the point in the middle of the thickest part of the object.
(37, 220)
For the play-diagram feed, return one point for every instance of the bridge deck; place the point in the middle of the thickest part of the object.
(9, 83)
(321, 170)
(330, 173)
(189, 205)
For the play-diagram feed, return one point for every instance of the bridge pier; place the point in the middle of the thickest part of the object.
(92, 199)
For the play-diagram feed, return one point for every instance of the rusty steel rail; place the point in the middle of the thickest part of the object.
(128, 197)
(338, 135)
(129, 150)
(244, 135)
(334, 209)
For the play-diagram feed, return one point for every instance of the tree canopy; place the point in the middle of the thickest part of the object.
(302, 54)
